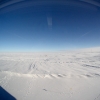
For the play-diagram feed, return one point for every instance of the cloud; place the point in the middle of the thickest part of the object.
(84, 34)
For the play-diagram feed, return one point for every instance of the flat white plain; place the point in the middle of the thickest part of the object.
(64, 75)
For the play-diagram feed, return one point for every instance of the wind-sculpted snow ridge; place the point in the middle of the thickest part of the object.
(34, 75)
(50, 76)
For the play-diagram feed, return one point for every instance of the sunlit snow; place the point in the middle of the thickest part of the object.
(63, 75)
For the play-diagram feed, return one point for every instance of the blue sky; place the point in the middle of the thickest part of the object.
(51, 29)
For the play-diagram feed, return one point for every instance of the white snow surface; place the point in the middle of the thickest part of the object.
(51, 76)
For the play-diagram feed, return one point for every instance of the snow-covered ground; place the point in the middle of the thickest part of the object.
(51, 76)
